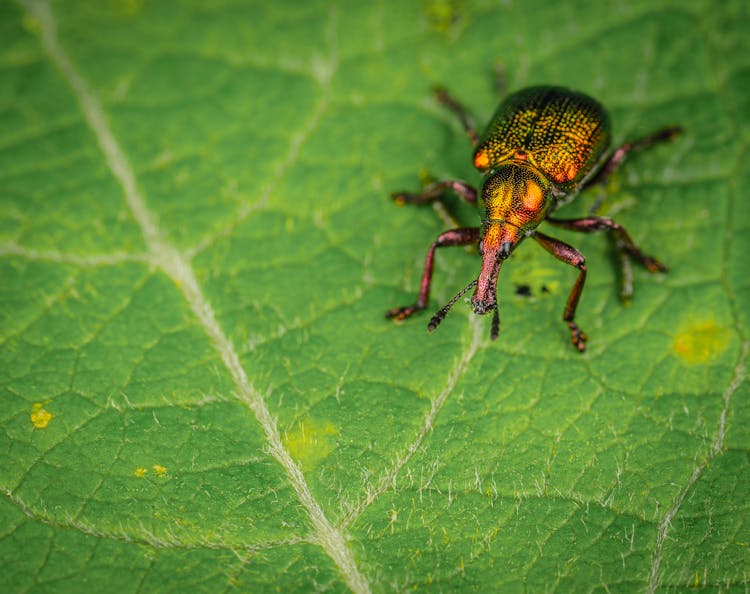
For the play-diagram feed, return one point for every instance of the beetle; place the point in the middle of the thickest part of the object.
(542, 147)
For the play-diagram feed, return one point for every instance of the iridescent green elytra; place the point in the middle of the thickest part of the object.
(563, 134)
(542, 147)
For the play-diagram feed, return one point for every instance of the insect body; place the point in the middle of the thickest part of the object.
(542, 147)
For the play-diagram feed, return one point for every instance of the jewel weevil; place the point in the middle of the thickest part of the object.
(541, 148)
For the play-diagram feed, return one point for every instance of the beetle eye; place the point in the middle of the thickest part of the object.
(481, 247)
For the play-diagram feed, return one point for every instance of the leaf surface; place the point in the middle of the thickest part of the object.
(199, 391)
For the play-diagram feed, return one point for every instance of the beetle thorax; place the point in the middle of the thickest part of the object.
(516, 194)
(516, 199)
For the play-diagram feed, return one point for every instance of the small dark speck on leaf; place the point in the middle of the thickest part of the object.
(523, 290)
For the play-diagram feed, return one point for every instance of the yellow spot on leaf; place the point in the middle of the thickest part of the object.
(31, 24)
(128, 8)
(40, 418)
(443, 14)
(701, 342)
(160, 470)
(140, 472)
(311, 442)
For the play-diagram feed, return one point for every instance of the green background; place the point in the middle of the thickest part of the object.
(198, 389)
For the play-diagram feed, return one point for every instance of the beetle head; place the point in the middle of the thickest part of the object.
(516, 199)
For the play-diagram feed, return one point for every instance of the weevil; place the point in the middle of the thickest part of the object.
(542, 147)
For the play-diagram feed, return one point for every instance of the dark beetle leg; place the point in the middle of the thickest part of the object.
(622, 152)
(446, 99)
(463, 236)
(568, 254)
(623, 243)
(433, 192)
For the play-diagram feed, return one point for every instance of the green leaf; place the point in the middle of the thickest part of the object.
(199, 391)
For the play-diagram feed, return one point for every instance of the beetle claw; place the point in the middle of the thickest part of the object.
(653, 265)
(401, 198)
(401, 313)
(577, 336)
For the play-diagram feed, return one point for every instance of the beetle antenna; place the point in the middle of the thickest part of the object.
(440, 315)
(495, 330)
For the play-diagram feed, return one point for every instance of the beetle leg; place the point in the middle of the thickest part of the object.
(433, 192)
(621, 152)
(568, 254)
(446, 99)
(462, 236)
(623, 243)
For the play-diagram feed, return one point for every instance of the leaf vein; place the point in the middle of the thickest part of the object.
(178, 267)
(740, 375)
(388, 479)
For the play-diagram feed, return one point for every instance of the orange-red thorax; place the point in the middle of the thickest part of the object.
(516, 200)
(518, 194)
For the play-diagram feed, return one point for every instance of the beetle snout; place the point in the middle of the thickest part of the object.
(482, 307)
(484, 299)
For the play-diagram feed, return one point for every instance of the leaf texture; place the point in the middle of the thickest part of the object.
(199, 391)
